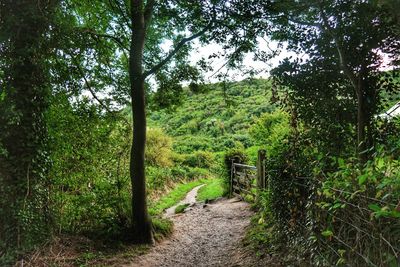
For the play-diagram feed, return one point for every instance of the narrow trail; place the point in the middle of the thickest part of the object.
(205, 235)
(189, 199)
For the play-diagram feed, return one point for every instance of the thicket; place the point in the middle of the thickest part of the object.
(90, 192)
(333, 176)
(324, 210)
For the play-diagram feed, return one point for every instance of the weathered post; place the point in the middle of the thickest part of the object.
(232, 174)
(261, 169)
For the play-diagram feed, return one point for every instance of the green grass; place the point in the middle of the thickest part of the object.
(175, 196)
(181, 208)
(162, 228)
(212, 190)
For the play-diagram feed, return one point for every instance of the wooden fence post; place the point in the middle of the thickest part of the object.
(232, 174)
(261, 169)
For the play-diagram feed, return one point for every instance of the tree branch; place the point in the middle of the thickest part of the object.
(120, 10)
(109, 36)
(176, 50)
(148, 12)
(306, 23)
(90, 89)
(342, 60)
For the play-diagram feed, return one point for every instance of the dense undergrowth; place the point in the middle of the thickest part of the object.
(323, 208)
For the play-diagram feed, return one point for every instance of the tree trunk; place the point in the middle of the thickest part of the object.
(361, 125)
(24, 183)
(142, 228)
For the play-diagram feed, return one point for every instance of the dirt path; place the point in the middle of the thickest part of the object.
(189, 199)
(205, 235)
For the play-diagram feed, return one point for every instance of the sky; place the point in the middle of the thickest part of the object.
(249, 62)
(217, 64)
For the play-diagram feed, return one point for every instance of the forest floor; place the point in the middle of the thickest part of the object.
(205, 235)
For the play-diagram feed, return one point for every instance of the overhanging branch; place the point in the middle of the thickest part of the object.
(176, 50)
(108, 36)
(306, 23)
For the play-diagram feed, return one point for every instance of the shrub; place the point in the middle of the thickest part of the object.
(244, 139)
(178, 173)
(328, 210)
(178, 158)
(356, 207)
(158, 178)
(191, 143)
(252, 153)
(270, 129)
(197, 173)
(201, 159)
(158, 148)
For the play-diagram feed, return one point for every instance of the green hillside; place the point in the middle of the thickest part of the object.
(217, 118)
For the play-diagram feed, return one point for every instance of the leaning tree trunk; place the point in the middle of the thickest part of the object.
(142, 229)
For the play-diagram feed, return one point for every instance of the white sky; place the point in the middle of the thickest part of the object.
(249, 62)
(217, 64)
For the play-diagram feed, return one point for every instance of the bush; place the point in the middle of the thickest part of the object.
(158, 178)
(270, 129)
(201, 159)
(90, 170)
(158, 148)
(252, 153)
(178, 173)
(329, 211)
(197, 173)
(356, 207)
(244, 139)
(191, 143)
(177, 158)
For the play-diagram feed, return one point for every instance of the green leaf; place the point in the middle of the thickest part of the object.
(395, 214)
(336, 206)
(341, 163)
(327, 233)
(380, 163)
(362, 179)
(2, 95)
(374, 207)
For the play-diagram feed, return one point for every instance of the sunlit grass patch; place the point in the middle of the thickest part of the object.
(212, 190)
(181, 208)
(175, 196)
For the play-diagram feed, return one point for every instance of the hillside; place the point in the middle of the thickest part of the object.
(216, 118)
